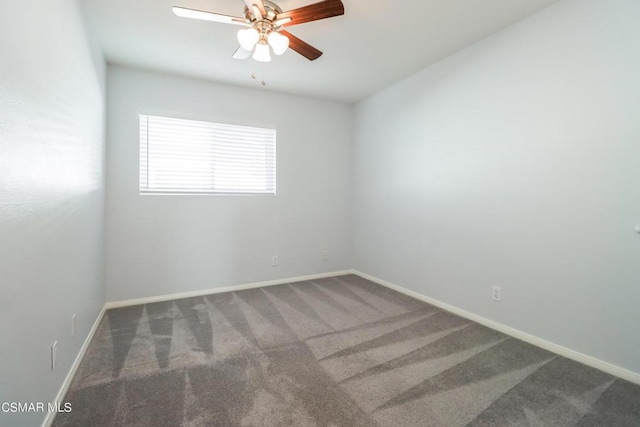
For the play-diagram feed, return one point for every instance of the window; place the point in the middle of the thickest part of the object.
(187, 156)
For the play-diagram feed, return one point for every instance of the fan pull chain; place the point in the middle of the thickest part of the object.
(254, 76)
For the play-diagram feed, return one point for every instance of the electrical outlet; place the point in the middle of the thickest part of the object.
(54, 348)
(325, 255)
(274, 261)
(73, 325)
(496, 294)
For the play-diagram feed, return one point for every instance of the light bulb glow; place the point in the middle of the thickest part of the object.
(261, 54)
(248, 38)
(278, 42)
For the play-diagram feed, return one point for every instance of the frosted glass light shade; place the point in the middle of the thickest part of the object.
(261, 54)
(278, 42)
(248, 38)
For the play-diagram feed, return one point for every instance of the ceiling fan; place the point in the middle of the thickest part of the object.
(265, 21)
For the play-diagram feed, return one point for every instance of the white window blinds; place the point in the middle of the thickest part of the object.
(187, 156)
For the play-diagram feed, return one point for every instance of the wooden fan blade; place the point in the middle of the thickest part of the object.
(208, 16)
(241, 53)
(313, 12)
(258, 4)
(303, 48)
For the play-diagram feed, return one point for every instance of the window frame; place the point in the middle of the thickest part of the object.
(270, 163)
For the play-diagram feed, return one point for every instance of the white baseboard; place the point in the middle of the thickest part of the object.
(147, 300)
(48, 420)
(523, 336)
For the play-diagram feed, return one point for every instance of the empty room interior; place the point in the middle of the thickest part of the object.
(333, 213)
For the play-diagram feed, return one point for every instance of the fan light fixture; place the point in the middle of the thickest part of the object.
(278, 42)
(251, 38)
(261, 54)
(248, 38)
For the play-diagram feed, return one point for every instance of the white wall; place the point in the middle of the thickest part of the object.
(515, 163)
(164, 244)
(51, 196)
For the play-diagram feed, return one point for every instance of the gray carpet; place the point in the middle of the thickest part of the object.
(332, 352)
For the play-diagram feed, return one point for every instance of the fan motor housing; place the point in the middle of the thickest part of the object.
(271, 8)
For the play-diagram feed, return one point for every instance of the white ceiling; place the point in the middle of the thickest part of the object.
(375, 43)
